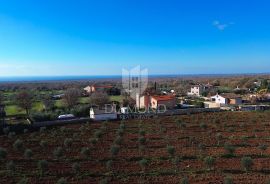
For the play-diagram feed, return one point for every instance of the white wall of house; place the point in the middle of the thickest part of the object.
(140, 101)
(212, 105)
(87, 89)
(219, 99)
(102, 117)
(196, 90)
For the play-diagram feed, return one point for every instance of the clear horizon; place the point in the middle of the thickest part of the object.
(90, 38)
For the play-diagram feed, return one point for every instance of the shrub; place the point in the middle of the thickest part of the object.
(142, 132)
(85, 152)
(209, 162)
(93, 141)
(122, 126)
(23, 181)
(143, 163)
(98, 134)
(230, 149)
(3, 153)
(58, 152)
(81, 110)
(76, 168)
(6, 130)
(120, 132)
(262, 147)
(218, 137)
(203, 125)
(63, 129)
(171, 150)
(118, 140)
(104, 181)
(82, 128)
(42, 167)
(246, 163)
(142, 140)
(43, 144)
(42, 129)
(25, 130)
(11, 167)
(11, 135)
(28, 153)
(43, 116)
(109, 165)
(228, 180)
(18, 145)
(68, 142)
(62, 181)
(180, 124)
(114, 150)
(184, 181)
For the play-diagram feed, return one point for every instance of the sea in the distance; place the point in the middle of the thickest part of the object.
(97, 77)
(55, 78)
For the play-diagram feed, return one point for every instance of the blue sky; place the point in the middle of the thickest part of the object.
(101, 37)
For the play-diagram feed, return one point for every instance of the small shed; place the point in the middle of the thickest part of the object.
(102, 114)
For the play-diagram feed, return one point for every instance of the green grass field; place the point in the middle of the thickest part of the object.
(12, 109)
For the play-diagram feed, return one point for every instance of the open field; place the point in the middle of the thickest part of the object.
(38, 106)
(150, 151)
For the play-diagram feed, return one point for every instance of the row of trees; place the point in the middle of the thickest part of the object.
(25, 99)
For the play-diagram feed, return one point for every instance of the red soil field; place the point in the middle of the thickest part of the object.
(193, 139)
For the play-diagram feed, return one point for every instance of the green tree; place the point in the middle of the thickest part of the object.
(62, 181)
(228, 180)
(18, 145)
(262, 147)
(184, 181)
(171, 151)
(11, 167)
(230, 149)
(42, 167)
(3, 153)
(76, 168)
(24, 100)
(58, 152)
(246, 163)
(28, 153)
(85, 152)
(209, 162)
(143, 163)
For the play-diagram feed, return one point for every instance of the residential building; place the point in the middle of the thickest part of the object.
(103, 114)
(199, 89)
(94, 88)
(196, 90)
(227, 99)
(154, 101)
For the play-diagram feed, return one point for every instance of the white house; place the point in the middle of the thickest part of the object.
(103, 114)
(219, 99)
(124, 110)
(196, 90)
(228, 98)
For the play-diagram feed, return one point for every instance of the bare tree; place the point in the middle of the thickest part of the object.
(48, 102)
(71, 97)
(24, 100)
(1, 98)
(2, 109)
(99, 99)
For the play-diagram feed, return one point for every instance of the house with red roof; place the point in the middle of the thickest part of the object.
(155, 101)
